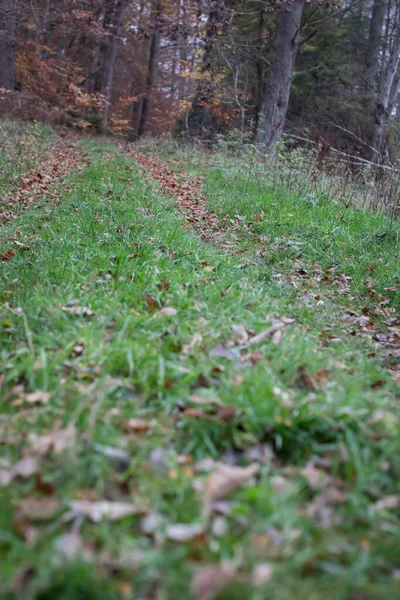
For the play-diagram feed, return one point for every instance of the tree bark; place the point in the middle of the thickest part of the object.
(155, 42)
(258, 93)
(374, 46)
(200, 121)
(386, 86)
(8, 28)
(116, 34)
(277, 89)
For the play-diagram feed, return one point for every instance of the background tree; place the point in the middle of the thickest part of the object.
(8, 26)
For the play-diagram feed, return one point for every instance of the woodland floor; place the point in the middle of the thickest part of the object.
(199, 381)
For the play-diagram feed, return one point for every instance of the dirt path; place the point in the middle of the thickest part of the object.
(190, 198)
(37, 186)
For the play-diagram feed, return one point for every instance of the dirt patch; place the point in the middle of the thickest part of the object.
(189, 196)
(37, 186)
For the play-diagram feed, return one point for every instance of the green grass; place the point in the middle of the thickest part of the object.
(113, 242)
(21, 146)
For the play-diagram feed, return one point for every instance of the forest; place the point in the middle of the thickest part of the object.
(322, 70)
(199, 299)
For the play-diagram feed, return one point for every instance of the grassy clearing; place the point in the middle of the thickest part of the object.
(79, 321)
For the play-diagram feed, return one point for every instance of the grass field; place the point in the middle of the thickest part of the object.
(131, 375)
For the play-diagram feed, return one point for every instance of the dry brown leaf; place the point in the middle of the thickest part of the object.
(266, 334)
(182, 532)
(387, 503)
(167, 311)
(221, 352)
(224, 479)
(38, 397)
(102, 510)
(7, 255)
(83, 311)
(24, 529)
(321, 377)
(152, 303)
(24, 468)
(55, 441)
(240, 334)
(276, 338)
(210, 580)
(315, 477)
(38, 509)
(252, 357)
(78, 350)
(321, 509)
(71, 546)
(138, 425)
(202, 399)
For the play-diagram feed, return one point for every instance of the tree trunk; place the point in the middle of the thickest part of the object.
(277, 89)
(258, 93)
(8, 27)
(201, 122)
(116, 34)
(155, 42)
(374, 46)
(386, 86)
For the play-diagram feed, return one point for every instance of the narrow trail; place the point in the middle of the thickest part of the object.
(37, 186)
(187, 193)
(190, 198)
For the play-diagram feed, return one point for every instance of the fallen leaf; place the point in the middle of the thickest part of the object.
(315, 477)
(240, 334)
(221, 352)
(151, 523)
(387, 503)
(83, 311)
(304, 380)
(202, 399)
(197, 413)
(43, 486)
(210, 580)
(152, 303)
(276, 338)
(55, 441)
(24, 468)
(321, 509)
(226, 413)
(267, 333)
(113, 453)
(24, 529)
(78, 350)
(70, 545)
(102, 510)
(7, 255)
(138, 425)
(321, 377)
(261, 574)
(38, 509)
(38, 397)
(167, 311)
(224, 479)
(182, 532)
(251, 357)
